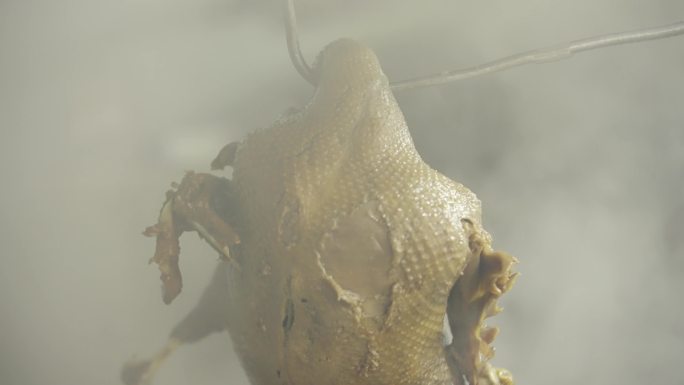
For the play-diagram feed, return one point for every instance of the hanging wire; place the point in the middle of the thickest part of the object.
(293, 49)
(557, 52)
(554, 53)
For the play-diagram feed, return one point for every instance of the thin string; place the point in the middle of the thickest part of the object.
(557, 52)
(554, 53)
(293, 49)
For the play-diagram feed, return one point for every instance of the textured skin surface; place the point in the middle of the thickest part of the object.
(351, 242)
(346, 249)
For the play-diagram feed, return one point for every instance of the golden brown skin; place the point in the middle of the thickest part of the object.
(349, 249)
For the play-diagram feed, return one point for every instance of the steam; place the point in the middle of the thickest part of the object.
(578, 165)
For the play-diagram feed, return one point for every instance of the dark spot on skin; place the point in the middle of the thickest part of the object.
(288, 319)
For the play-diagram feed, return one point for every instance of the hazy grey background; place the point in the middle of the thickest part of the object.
(579, 164)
